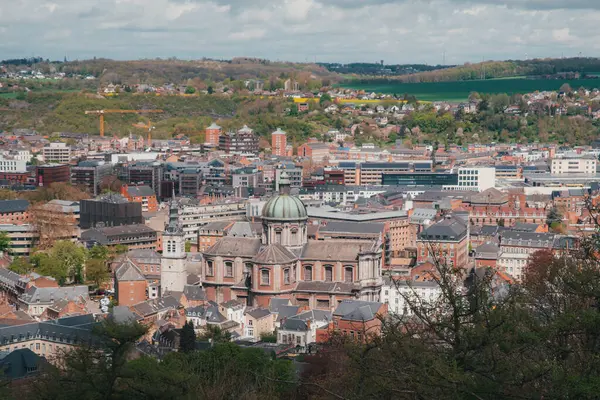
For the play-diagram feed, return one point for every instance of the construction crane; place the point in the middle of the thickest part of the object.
(101, 113)
(149, 127)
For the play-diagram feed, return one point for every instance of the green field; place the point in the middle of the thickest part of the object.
(459, 90)
(9, 95)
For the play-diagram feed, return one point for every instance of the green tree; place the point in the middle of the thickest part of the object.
(120, 249)
(215, 333)
(99, 252)
(187, 340)
(21, 266)
(325, 98)
(210, 90)
(554, 215)
(190, 90)
(188, 246)
(65, 260)
(4, 242)
(96, 271)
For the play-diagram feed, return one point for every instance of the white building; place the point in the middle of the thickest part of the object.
(475, 178)
(173, 272)
(12, 165)
(573, 166)
(19, 154)
(396, 293)
(301, 330)
(57, 152)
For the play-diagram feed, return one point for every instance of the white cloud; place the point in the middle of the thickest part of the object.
(328, 30)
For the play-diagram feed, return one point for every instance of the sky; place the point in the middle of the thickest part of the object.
(396, 31)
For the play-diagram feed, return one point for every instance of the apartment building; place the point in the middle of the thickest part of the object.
(23, 238)
(445, 241)
(213, 132)
(244, 141)
(278, 143)
(89, 174)
(561, 166)
(14, 212)
(46, 175)
(141, 194)
(133, 236)
(57, 152)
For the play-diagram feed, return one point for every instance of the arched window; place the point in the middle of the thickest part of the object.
(308, 273)
(210, 268)
(294, 234)
(228, 269)
(328, 273)
(348, 274)
(278, 236)
(286, 276)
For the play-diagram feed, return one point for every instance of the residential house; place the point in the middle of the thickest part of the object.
(258, 321)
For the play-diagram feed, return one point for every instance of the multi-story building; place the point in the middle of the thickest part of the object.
(244, 141)
(57, 152)
(246, 177)
(399, 294)
(50, 338)
(517, 247)
(57, 220)
(356, 319)
(23, 238)
(213, 132)
(333, 176)
(193, 215)
(14, 212)
(294, 176)
(278, 143)
(561, 166)
(109, 210)
(36, 300)
(190, 181)
(90, 174)
(316, 151)
(141, 194)
(133, 236)
(419, 179)
(12, 165)
(209, 234)
(475, 178)
(130, 284)
(146, 173)
(446, 241)
(48, 174)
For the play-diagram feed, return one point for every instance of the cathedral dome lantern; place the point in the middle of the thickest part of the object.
(284, 217)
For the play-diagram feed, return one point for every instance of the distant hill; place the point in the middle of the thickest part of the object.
(548, 67)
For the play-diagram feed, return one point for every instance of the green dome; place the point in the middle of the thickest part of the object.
(283, 206)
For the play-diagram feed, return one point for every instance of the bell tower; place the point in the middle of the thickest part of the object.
(173, 272)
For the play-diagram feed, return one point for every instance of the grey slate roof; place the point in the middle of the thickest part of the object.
(245, 229)
(275, 303)
(326, 287)
(358, 227)
(356, 310)
(122, 314)
(139, 191)
(193, 292)
(293, 324)
(18, 363)
(258, 313)
(273, 254)
(527, 239)
(286, 312)
(49, 295)
(336, 249)
(243, 247)
(128, 271)
(487, 251)
(154, 306)
(147, 256)
(13, 206)
(451, 228)
(209, 312)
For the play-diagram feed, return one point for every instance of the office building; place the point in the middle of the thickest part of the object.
(476, 178)
(12, 165)
(89, 174)
(419, 179)
(23, 238)
(133, 236)
(146, 173)
(109, 210)
(48, 174)
(561, 166)
(57, 152)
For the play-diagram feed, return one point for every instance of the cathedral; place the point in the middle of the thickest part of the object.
(285, 263)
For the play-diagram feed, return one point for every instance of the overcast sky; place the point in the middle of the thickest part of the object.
(397, 31)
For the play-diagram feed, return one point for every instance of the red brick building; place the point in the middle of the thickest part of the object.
(45, 175)
(358, 320)
(279, 143)
(130, 284)
(141, 194)
(445, 241)
(213, 132)
(14, 212)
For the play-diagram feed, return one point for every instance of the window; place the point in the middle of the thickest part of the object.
(308, 273)
(229, 269)
(278, 236)
(249, 322)
(348, 274)
(286, 276)
(264, 276)
(328, 273)
(299, 340)
(210, 268)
